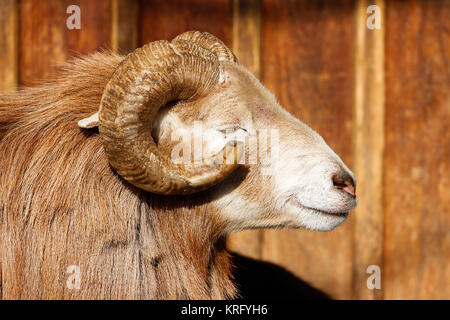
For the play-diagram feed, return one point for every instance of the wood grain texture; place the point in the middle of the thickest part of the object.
(308, 63)
(417, 157)
(8, 44)
(165, 19)
(124, 25)
(247, 47)
(247, 34)
(45, 40)
(368, 137)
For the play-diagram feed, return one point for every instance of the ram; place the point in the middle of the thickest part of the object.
(90, 181)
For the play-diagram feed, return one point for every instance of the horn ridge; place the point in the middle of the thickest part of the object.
(209, 42)
(147, 79)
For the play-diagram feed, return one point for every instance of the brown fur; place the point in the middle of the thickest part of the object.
(61, 204)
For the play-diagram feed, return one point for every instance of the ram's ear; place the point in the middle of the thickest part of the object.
(90, 122)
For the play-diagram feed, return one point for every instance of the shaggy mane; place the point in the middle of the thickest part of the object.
(61, 204)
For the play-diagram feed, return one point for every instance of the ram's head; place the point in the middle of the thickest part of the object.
(181, 117)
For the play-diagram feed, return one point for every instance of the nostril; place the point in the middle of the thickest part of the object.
(344, 182)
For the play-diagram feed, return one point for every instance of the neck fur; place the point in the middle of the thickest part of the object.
(192, 261)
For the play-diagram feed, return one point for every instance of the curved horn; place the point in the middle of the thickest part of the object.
(209, 42)
(147, 79)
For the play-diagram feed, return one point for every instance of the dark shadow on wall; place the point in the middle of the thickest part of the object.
(264, 280)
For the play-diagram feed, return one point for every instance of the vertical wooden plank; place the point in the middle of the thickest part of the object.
(368, 148)
(307, 55)
(417, 157)
(247, 34)
(45, 40)
(247, 48)
(8, 44)
(124, 25)
(165, 19)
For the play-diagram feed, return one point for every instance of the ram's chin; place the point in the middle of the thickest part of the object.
(322, 221)
(317, 220)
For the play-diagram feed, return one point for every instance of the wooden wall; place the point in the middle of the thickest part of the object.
(380, 98)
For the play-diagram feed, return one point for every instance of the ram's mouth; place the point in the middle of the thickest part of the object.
(297, 203)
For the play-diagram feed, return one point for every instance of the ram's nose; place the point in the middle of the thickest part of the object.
(343, 180)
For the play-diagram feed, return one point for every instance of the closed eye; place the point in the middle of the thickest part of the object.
(232, 129)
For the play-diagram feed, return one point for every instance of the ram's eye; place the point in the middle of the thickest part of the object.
(231, 129)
